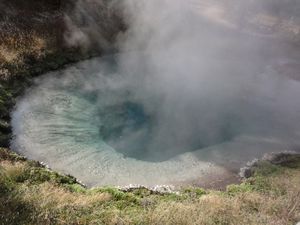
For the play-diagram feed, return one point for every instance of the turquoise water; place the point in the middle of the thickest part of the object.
(96, 123)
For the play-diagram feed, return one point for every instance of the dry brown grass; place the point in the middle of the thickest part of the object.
(13, 170)
(251, 208)
(27, 34)
(48, 195)
(270, 199)
(15, 47)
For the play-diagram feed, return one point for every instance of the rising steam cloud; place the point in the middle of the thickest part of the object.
(200, 77)
(203, 83)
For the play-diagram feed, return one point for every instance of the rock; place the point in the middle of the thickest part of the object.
(246, 172)
(281, 158)
(163, 189)
(158, 189)
(249, 169)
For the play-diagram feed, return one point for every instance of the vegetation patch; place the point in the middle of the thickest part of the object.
(33, 194)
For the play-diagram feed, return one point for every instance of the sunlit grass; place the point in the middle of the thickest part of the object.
(31, 194)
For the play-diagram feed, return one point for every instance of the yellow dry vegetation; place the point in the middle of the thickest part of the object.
(35, 195)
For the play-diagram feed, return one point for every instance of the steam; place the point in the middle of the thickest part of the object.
(203, 83)
(93, 24)
(199, 78)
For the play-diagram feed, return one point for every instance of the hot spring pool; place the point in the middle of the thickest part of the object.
(107, 125)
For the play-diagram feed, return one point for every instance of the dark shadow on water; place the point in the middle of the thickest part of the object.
(131, 131)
